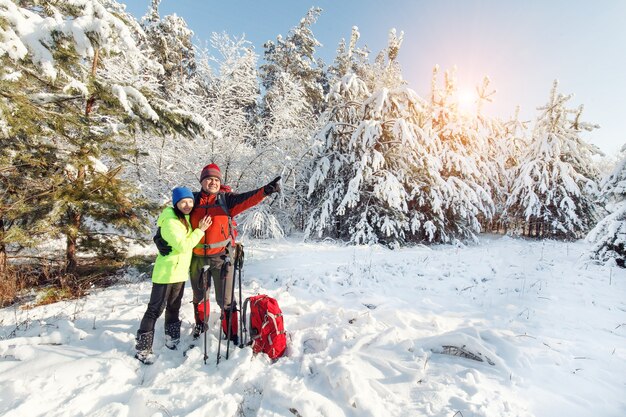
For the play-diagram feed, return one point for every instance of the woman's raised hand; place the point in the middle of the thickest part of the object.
(205, 222)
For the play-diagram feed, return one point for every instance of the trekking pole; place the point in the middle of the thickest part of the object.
(240, 267)
(232, 309)
(205, 286)
(223, 274)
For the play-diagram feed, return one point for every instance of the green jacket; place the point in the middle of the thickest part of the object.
(175, 266)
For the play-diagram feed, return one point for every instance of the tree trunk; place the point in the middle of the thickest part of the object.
(92, 100)
(3, 261)
(74, 219)
(72, 239)
(3, 251)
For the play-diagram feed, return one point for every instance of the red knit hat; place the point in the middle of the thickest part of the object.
(211, 170)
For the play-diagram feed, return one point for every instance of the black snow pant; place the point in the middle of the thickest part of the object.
(166, 297)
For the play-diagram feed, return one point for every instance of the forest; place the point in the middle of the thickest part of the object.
(102, 114)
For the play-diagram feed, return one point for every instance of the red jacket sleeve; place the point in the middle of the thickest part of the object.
(237, 203)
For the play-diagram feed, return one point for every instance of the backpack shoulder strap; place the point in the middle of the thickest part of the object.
(221, 201)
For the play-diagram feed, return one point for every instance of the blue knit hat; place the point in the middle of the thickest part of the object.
(179, 193)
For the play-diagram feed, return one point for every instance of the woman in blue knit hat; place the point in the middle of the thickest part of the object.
(170, 272)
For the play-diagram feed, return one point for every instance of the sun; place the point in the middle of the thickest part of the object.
(466, 100)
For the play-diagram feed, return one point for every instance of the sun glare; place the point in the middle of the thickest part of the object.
(466, 100)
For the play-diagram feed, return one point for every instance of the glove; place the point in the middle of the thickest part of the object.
(162, 246)
(272, 187)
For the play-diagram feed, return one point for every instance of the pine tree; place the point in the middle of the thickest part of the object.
(555, 184)
(72, 89)
(26, 186)
(295, 55)
(609, 235)
(371, 180)
(350, 59)
(294, 82)
(333, 167)
(509, 149)
(285, 148)
(466, 166)
(170, 41)
(156, 163)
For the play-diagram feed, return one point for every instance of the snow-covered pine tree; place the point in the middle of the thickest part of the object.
(370, 183)
(512, 141)
(77, 83)
(555, 184)
(294, 83)
(332, 168)
(284, 147)
(170, 40)
(493, 151)
(166, 41)
(295, 55)
(156, 164)
(609, 235)
(386, 71)
(466, 166)
(350, 59)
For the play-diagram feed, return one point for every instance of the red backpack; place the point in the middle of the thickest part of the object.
(267, 331)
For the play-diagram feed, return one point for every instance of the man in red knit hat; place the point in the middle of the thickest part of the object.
(218, 243)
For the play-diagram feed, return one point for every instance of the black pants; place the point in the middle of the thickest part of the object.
(163, 297)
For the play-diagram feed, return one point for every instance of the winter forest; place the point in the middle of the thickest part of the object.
(102, 114)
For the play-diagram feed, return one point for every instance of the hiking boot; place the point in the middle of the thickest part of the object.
(145, 356)
(144, 347)
(170, 343)
(172, 335)
(198, 329)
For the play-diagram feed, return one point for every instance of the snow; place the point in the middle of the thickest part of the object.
(29, 33)
(372, 332)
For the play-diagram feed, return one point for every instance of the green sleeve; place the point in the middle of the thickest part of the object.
(175, 233)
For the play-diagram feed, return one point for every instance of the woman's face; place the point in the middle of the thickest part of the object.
(185, 205)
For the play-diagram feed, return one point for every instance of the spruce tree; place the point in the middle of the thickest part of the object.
(555, 185)
(372, 179)
(466, 164)
(76, 86)
(285, 148)
(609, 235)
(295, 55)
(512, 143)
(170, 41)
(156, 163)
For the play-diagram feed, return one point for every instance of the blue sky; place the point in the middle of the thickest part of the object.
(521, 45)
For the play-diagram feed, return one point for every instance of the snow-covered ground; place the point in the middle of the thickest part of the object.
(367, 330)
